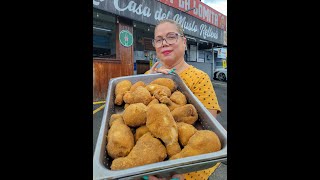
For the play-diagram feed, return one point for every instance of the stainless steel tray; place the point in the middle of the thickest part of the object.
(102, 162)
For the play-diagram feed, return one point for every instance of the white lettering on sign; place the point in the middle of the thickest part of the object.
(181, 3)
(195, 10)
(202, 12)
(215, 19)
(132, 6)
(184, 4)
(206, 14)
(97, 2)
(204, 32)
(159, 16)
(212, 17)
(185, 25)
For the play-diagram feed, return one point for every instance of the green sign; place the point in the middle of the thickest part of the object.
(126, 38)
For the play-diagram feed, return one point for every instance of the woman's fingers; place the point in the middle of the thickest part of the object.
(164, 71)
(153, 68)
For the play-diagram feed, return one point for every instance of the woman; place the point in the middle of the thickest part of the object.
(170, 45)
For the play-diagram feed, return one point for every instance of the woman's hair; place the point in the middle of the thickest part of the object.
(179, 28)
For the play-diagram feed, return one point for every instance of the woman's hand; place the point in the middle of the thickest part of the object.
(158, 70)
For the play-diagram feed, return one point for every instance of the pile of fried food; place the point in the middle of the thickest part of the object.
(157, 124)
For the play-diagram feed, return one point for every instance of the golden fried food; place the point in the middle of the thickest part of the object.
(165, 82)
(162, 125)
(178, 98)
(185, 131)
(186, 113)
(171, 105)
(159, 93)
(146, 151)
(202, 142)
(120, 138)
(135, 85)
(140, 132)
(154, 101)
(121, 88)
(135, 115)
(139, 95)
(153, 87)
(115, 117)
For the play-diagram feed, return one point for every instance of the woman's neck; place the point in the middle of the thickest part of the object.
(179, 66)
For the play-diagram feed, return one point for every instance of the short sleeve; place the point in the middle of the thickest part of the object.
(204, 91)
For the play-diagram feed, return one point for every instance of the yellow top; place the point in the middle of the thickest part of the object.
(201, 175)
(200, 84)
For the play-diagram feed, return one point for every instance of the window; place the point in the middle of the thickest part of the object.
(104, 34)
(191, 53)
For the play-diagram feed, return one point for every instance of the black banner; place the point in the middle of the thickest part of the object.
(152, 11)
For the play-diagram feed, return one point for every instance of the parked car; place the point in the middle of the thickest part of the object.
(220, 74)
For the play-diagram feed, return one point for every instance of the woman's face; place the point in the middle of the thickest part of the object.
(167, 53)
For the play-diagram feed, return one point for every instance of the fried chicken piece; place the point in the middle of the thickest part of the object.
(154, 101)
(147, 150)
(185, 131)
(121, 88)
(202, 142)
(186, 113)
(153, 87)
(165, 82)
(159, 93)
(114, 118)
(140, 132)
(137, 84)
(126, 105)
(120, 139)
(135, 115)
(178, 98)
(139, 95)
(162, 125)
(171, 105)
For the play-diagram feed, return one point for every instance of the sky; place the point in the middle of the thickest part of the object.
(219, 5)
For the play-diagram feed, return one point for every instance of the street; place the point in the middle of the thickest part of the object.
(221, 91)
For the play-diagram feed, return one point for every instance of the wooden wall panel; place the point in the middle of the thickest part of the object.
(103, 72)
(125, 53)
(105, 69)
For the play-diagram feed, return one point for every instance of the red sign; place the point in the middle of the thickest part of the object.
(200, 11)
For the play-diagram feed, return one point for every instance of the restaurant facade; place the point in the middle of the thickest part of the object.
(123, 31)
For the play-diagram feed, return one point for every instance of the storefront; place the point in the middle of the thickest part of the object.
(123, 32)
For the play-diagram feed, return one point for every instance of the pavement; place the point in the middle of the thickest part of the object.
(221, 92)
